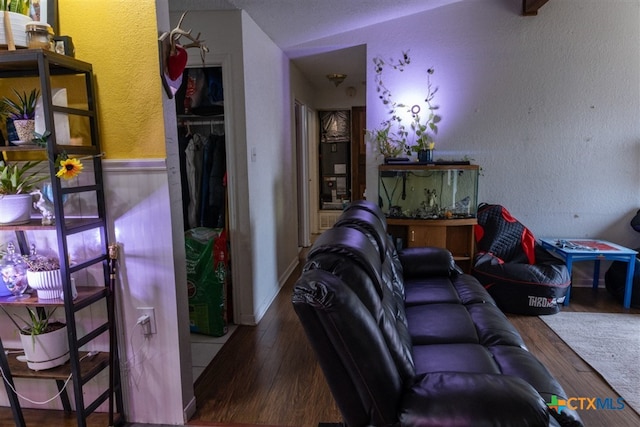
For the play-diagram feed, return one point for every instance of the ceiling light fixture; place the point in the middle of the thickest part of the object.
(336, 78)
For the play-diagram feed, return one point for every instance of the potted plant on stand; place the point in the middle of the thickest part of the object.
(16, 183)
(385, 143)
(423, 140)
(44, 340)
(13, 22)
(21, 114)
(43, 275)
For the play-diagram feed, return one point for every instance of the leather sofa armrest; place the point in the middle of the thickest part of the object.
(473, 399)
(427, 261)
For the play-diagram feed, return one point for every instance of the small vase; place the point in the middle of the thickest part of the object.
(425, 156)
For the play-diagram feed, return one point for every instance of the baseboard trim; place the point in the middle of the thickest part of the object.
(189, 410)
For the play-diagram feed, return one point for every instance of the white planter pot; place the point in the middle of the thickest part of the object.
(48, 284)
(46, 351)
(15, 209)
(18, 27)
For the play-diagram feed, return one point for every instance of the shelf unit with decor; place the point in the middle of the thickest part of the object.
(73, 128)
(431, 205)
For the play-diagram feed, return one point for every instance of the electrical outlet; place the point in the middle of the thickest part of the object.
(149, 311)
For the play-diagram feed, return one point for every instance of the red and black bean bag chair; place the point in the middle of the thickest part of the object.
(520, 275)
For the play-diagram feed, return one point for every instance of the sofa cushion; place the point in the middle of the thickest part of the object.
(434, 290)
(367, 223)
(438, 323)
(350, 245)
(519, 362)
(413, 262)
(391, 273)
(492, 326)
(468, 290)
(479, 400)
(368, 206)
(463, 357)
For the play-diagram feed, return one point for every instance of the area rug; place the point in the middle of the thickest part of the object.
(609, 342)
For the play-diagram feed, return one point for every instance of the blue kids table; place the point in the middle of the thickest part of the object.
(571, 250)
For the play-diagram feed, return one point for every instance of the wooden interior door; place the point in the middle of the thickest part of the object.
(358, 153)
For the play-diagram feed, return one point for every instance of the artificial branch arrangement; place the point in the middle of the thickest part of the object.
(394, 136)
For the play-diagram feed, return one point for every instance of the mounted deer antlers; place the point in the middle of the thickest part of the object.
(177, 33)
(173, 56)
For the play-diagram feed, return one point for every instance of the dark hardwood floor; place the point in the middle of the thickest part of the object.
(577, 378)
(268, 375)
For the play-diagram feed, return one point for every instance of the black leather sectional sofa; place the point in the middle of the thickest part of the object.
(407, 339)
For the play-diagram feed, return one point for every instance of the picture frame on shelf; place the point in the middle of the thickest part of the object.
(46, 11)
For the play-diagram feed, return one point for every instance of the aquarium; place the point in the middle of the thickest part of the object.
(434, 191)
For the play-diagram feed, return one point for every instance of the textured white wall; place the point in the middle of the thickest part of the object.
(147, 279)
(270, 164)
(547, 105)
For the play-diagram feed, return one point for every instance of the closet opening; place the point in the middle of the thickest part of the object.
(200, 113)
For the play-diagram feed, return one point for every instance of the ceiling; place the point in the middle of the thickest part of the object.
(294, 23)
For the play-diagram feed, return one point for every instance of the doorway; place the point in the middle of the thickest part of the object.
(208, 117)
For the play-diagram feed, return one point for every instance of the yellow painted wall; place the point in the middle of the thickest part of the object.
(119, 38)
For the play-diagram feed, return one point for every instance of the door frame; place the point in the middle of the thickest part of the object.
(302, 174)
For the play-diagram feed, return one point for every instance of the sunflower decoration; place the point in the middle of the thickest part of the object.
(68, 167)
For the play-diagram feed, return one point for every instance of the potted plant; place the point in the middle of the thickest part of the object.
(385, 143)
(44, 340)
(16, 16)
(16, 6)
(16, 183)
(22, 113)
(43, 275)
(423, 140)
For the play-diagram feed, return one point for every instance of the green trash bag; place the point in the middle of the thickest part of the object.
(207, 265)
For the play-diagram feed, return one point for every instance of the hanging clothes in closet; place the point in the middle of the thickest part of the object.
(203, 166)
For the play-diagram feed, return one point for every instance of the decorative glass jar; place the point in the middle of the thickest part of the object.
(39, 35)
(13, 269)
